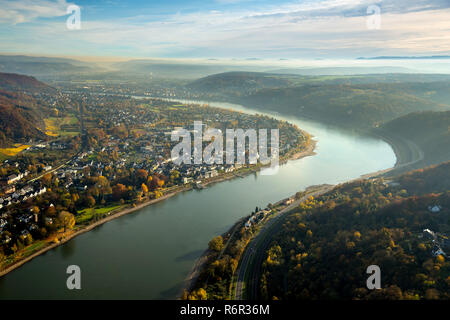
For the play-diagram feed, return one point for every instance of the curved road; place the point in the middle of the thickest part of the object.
(248, 272)
(252, 258)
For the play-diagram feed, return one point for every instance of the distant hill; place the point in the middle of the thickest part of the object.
(242, 82)
(353, 106)
(352, 101)
(405, 57)
(38, 66)
(344, 70)
(429, 130)
(179, 70)
(20, 118)
(16, 82)
(159, 69)
(21, 114)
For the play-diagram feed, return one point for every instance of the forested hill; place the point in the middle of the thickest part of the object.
(352, 106)
(20, 118)
(327, 243)
(21, 114)
(17, 83)
(240, 82)
(360, 101)
(433, 179)
(429, 130)
(42, 66)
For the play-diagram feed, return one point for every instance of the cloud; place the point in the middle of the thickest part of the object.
(308, 28)
(13, 11)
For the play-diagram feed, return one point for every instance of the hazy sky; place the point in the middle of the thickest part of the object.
(227, 28)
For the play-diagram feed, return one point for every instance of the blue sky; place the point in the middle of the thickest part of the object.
(226, 28)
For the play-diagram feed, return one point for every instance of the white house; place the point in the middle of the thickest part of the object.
(438, 252)
(435, 208)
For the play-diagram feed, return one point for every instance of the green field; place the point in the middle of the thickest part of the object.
(87, 214)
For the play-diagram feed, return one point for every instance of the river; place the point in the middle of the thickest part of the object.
(147, 254)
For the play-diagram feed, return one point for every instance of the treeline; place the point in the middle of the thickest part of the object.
(215, 279)
(434, 179)
(326, 244)
(352, 101)
(353, 106)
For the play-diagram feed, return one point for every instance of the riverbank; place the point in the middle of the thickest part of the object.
(405, 155)
(67, 236)
(199, 265)
(406, 151)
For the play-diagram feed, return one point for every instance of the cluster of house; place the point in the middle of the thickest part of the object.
(14, 178)
(20, 195)
(53, 145)
(27, 222)
(117, 116)
(196, 173)
(72, 174)
(257, 217)
(439, 241)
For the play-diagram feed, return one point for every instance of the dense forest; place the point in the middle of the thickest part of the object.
(326, 244)
(20, 118)
(358, 106)
(351, 101)
(24, 103)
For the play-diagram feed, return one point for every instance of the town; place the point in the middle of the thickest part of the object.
(121, 157)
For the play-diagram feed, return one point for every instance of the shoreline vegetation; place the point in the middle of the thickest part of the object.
(406, 152)
(64, 237)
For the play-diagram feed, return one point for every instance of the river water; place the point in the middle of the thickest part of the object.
(147, 254)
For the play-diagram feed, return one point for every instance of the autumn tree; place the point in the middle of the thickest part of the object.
(47, 179)
(199, 294)
(119, 191)
(142, 175)
(216, 244)
(66, 220)
(90, 201)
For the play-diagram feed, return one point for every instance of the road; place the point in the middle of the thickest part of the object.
(50, 171)
(247, 281)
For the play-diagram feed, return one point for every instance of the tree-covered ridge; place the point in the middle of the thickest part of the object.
(434, 179)
(20, 118)
(326, 245)
(242, 82)
(429, 130)
(24, 103)
(354, 106)
(357, 101)
(17, 82)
